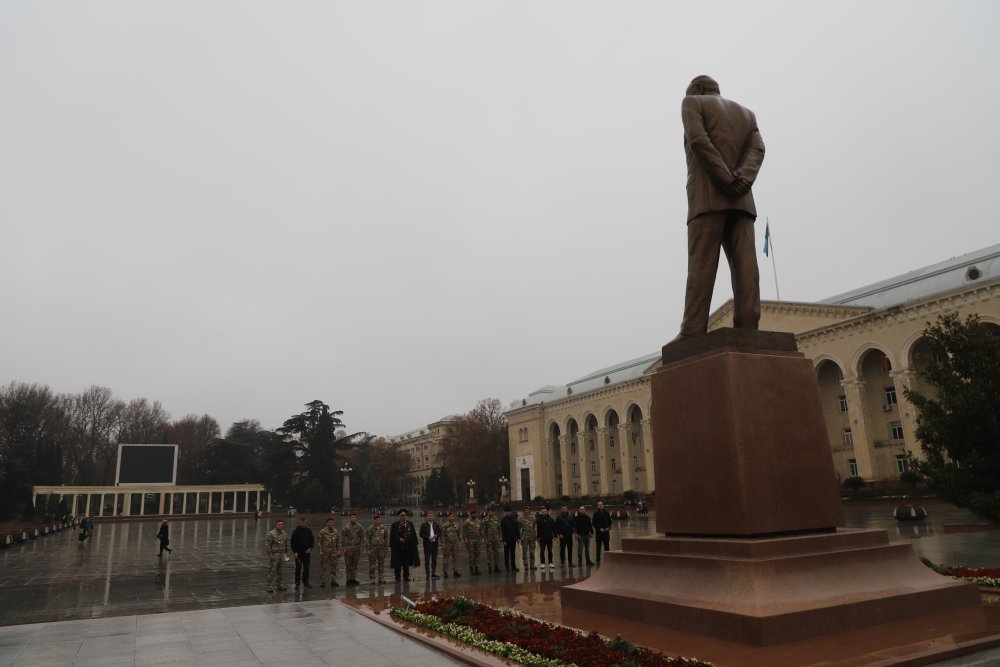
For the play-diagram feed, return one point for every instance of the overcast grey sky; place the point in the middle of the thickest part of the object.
(403, 207)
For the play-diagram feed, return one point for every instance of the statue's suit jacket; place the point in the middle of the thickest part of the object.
(721, 142)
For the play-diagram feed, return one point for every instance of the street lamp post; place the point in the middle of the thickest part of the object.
(503, 488)
(346, 470)
(472, 492)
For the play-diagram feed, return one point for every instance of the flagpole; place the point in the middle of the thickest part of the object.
(774, 265)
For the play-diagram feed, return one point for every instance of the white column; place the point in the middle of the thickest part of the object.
(624, 436)
(864, 450)
(649, 483)
(601, 456)
(163, 497)
(100, 506)
(246, 501)
(76, 497)
(269, 502)
(184, 503)
(142, 504)
(197, 502)
(127, 505)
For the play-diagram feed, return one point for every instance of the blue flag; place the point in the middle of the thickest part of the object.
(767, 238)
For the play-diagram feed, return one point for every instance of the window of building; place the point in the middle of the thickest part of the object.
(852, 467)
(890, 396)
(576, 488)
(593, 466)
(896, 430)
(591, 444)
(635, 462)
(902, 463)
(842, 403)
(635, 484)
(848, 437)
(611, 441)
(559, 488)
(614, 486)
(572, 448)
(635, 437)
(574, 469)
(596, 487)
(614, 464)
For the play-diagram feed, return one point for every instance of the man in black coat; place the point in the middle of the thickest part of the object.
(545, 528)
(430, 533)
(584, 528)
(302, 543)
(565, 527)
(510, 533)
(403, 546)
(602, 529)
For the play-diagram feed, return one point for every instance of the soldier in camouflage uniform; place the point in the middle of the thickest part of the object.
(353, 539)
(276, 546)
(451, 538)
(528, 535)
(472, 534)
(491, 536)
(329, 552)
(378, 547)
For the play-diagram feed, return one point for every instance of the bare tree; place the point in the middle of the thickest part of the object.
(476, 447)
(193, 434)
(94, 415)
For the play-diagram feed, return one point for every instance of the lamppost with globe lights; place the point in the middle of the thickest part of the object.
(346, 470)
(472, 492)
(503, 488)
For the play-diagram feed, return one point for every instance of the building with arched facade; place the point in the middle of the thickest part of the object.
(592, 436)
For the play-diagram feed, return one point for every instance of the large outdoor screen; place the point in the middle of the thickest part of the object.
(147, 464)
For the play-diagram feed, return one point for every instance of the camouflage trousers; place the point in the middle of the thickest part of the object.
(327, 563)
(274, 564)
(528, 552)
(376, 566)
(492, 555)
(473, 549)
(351, 557)
(450, 556)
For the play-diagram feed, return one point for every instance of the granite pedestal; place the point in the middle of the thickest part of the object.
(748, 504)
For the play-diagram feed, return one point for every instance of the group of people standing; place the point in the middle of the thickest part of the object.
(400, 542)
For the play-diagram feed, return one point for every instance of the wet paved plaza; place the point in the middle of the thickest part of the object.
(215, 577)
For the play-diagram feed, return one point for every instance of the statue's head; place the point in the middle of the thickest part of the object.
(703, 85)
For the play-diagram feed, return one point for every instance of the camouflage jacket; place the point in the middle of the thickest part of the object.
(528, 529)
(472, 530)
(378, 538)
(451, 534)
(276, 542)
(491, 529)
(329, 540)
(353, 536)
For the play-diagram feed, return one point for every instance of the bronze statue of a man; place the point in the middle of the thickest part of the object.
(724, 152)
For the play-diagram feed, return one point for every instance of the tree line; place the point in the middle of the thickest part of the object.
(48, 438)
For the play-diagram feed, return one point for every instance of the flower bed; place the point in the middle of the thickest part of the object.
(516, 637)
(983, 576)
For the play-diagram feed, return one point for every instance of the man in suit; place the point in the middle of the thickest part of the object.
(724, 152)
(403, 547)
(430, 531)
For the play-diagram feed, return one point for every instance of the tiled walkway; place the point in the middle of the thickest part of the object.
(293, 633)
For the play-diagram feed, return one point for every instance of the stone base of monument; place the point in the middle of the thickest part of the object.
(748, 505)
(765, 591)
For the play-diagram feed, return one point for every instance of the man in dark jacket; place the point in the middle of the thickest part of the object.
(302, 543)
(164, 537)
(403, 546)
(545, 528)
(510, 533)
(602, 529)
(583, 528)
(565, 527)
(430, 531)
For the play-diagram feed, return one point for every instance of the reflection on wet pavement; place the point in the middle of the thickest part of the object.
(220, 563)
